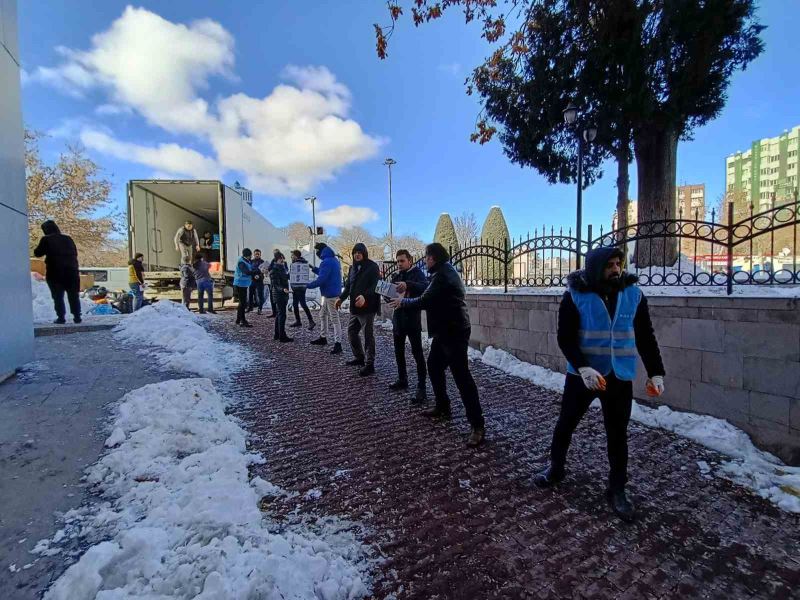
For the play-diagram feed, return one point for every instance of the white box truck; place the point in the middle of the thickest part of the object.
(158, 208)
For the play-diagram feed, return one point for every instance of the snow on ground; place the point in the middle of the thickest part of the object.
(43, 311)
(175, 338)
(755, 469)
(181, 520)
(739, 291)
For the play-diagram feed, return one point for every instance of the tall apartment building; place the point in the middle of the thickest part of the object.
(691, 201)
(765, 175)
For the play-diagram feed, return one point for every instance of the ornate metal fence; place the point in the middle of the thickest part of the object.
(755, 248)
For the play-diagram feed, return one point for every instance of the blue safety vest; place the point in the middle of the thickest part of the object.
(608, 345)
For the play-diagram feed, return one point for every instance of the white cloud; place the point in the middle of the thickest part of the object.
(113, 110)
(284, 143)
(345, 215)
(165, 157)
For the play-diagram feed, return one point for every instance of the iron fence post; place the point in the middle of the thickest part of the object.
(505, 265)
(730, 249)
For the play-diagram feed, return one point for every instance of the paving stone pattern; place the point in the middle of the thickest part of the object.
(459, 523)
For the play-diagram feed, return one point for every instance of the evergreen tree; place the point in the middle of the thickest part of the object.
(446, 233)
(494, 233)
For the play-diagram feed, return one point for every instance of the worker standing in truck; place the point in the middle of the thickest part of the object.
(187, 242)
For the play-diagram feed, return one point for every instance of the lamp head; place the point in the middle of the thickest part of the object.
(570, 114)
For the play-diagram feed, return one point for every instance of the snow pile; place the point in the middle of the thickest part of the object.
(175, 339)
(182, 520)
(43, 311)
(755, 469)
(500, 359)
(740, 291)
(760, 471)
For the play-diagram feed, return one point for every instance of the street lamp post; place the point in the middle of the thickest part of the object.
(588, 136)
(389, 162)
(313, 200)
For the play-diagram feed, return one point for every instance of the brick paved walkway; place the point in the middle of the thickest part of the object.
(466, 524)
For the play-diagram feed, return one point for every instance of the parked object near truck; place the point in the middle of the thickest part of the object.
(157, 209)
(113, 279)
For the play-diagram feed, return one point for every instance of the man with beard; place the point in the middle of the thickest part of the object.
(364, 305)
(602, 321)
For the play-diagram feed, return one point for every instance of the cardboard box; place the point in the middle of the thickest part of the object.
(87, 281)
(38, 266)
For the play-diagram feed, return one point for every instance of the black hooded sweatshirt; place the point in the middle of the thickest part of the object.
(361, 281)
(590, 279)
(61, 256)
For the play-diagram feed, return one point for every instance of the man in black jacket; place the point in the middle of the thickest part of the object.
(410, 281)
(256, 293)
(450, 328)
(62, 270)
(364, 305)
(603, 321)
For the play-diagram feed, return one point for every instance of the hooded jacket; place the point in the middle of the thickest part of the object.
(61, 255)
(329, 274)
(361, 281)
(590, 280)
(444, 301)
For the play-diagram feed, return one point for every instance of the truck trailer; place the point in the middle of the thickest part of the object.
(158, 208)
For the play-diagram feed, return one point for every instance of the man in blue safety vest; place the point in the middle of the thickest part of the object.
(602, 322)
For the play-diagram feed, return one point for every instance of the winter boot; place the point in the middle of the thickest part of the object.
(244, 324)
(366, 371)
(477, 437)
(320, 341)
(549, 477)
(286, 338)
(437, 412)
(400, 384)
(337, 348)
(78, 319)
(620, 504)
(60, 321)
(296, 324)
(259, 311)
(311, 325)
(202, 311)
(421, 396)
(356, 362)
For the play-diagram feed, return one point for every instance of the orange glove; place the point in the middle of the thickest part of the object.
(655, 386)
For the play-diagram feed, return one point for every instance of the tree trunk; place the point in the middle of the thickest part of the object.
(623, 187)
(656, 150)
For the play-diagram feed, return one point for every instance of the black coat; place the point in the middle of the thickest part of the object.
(61, 255)
(409, 321)
(279, 277)
(258, 276)
(444, 301)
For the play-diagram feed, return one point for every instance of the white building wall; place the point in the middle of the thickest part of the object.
(16, 326)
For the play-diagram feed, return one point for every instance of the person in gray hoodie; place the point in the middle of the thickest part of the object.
(205, 285)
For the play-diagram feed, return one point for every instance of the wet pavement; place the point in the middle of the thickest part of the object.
(459, 523)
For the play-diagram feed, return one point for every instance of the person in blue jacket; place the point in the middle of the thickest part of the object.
(329, 282)
(242, 279)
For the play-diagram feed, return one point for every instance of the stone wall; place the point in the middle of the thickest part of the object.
(734, 358)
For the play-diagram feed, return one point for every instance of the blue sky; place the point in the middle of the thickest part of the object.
(212, 79)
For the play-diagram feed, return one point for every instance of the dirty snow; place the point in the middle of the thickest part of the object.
(181, 520)
(739, 291)
(755, 469)
(43, 311)
(175, 338)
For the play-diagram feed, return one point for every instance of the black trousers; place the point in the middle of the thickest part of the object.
(271, 299)
(281, 300)
(257, 298)
(70, 285)
(415, 337)
(447, 352)
(241, 298)
(616, 402)
(298, 300)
